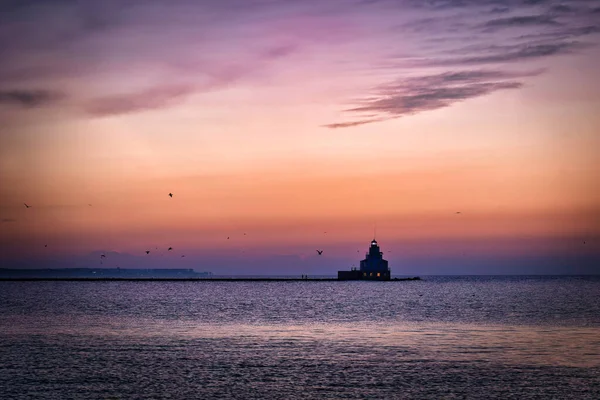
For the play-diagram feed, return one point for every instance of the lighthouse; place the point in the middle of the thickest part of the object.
(373, 267)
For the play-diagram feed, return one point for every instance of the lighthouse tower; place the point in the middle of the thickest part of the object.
(373, 267)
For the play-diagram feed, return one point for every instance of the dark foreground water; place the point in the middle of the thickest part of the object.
(442, 338)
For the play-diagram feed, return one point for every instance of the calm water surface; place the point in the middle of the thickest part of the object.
(459, 337)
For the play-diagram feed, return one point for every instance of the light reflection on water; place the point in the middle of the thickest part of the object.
(522, 338)
(526, 345)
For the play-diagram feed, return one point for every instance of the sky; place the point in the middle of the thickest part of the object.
(466, 133)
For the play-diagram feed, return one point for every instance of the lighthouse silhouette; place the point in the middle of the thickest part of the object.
(373, 267)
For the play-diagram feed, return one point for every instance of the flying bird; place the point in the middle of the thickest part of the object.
(102, 256)
(458, 212)
(26, 206)
(170, 248)
(320, 252)
(89, 205)
(170, 194)
(183, 255)
(227, 237)
(45, 245)
(147, 251)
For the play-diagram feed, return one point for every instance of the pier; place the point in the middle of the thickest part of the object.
(291, 279)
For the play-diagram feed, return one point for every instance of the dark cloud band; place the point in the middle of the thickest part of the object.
(29, 98)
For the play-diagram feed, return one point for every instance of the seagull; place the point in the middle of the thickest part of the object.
(102, 256)
(320, 252)
(458, 212)
(170, 248)
(27, 205)
(170, 194)
(183, 255)
(227, 237)
(147, 251)
(45, 245)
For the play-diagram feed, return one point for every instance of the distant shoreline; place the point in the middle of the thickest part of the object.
(191, 280)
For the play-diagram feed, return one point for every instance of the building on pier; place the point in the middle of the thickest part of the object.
(372, 268)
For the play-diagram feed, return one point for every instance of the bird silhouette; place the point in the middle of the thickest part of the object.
(170, 248)
(320, 252)
(183, 255)
(89, 205)
(27, 205)
(45, 245)
(102, 256)
(147, 251)
(170, 194)
(458, 212)
(227, 237)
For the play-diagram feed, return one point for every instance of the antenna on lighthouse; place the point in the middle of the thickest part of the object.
(374, 230)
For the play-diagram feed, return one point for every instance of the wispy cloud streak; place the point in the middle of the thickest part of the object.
(150, 99)
(29, 98)
(519, 21)
(425, 93)
(507, 54)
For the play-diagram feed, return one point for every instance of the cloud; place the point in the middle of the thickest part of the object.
(424, 93)
(29, 98)
(353, 123)
(280, 51)
(499, 10)
(505, 54)
(411, 100)
(528, 20)
(562, 8)
(445, 5)
(154, 98)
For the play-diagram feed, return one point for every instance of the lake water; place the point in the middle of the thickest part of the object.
(443, 337)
